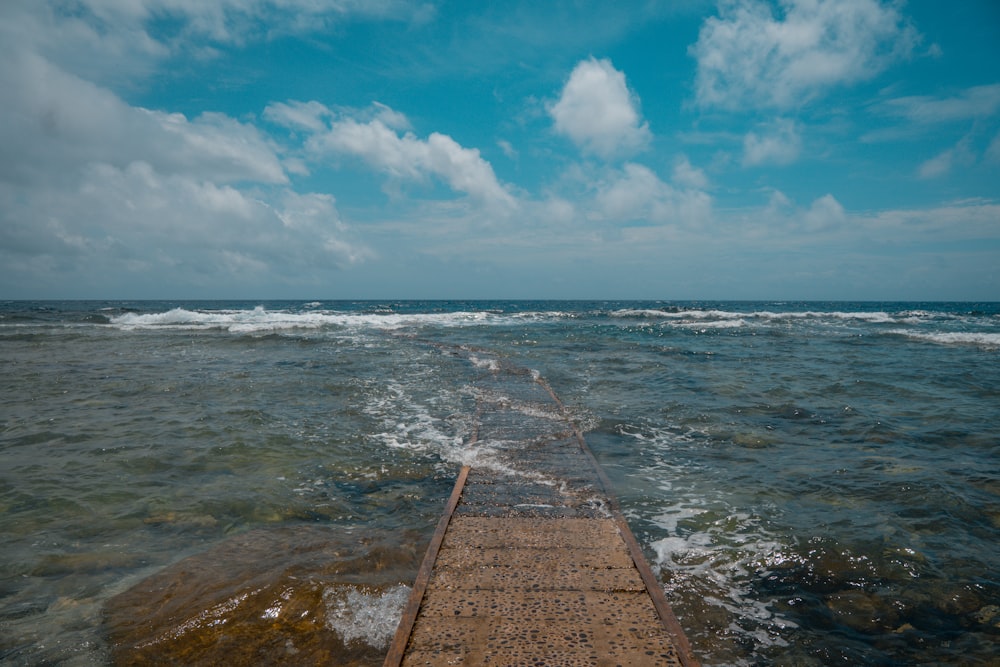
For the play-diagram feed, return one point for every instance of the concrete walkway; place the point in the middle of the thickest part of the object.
(532, 564)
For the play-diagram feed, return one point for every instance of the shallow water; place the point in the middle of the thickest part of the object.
(816, 483)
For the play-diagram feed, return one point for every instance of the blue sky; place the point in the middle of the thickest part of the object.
(319, 149)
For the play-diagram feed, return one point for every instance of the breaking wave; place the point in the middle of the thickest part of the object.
(990, 341)
(262, 320)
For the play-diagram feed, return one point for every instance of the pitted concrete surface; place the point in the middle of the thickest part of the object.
(532, 564)
(528, 591)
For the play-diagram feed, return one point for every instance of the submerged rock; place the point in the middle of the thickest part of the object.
(289, 596)
(862, 611)
(990, 614)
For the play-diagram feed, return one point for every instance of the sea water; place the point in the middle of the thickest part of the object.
(814, 483)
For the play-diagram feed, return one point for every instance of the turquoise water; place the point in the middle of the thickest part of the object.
(815, 483)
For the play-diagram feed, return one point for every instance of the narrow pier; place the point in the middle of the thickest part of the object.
(532, 563)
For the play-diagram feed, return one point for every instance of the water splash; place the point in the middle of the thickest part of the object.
(363, 614)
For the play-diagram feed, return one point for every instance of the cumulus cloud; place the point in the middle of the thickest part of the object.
(376, 136)
(56, 122)
(782, 221)
(689, 176)
(824, 213)
(556, 210)
(785, 222)
(89, 180)
(749, 55)
(777, 143)
(313, 217)
(636, 193)
(308, 116)
(136, 222)
(598, 113)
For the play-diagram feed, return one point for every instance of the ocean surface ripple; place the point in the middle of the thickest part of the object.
(816, 483)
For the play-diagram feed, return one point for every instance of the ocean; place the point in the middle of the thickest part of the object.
(814, 483)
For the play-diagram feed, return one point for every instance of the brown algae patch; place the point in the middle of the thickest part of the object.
(293, 596)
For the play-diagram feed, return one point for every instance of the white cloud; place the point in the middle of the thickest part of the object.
(938, 165)
(309, 116)
(971, 103)
(116, 41)
(507, 148)
(314, 217)
(961, 154)
(235, 20)
(220, 148)
(557, 211)
(315, 117)
(598, 112)
(688, 176)
(408, 157)
(748, 56)
(88, 180)
(974, 219)
(631, 194)
(636, 193)
(390, 117)
(978, 107)
(779, 143)
(993, 152)
(77, 41)
(784, 223)
(55, 122)
(824, 213)
(136, 223)
(778, 201)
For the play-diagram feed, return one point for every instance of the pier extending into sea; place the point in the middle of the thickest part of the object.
(532, 563)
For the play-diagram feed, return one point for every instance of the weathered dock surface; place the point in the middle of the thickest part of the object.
(532, 564)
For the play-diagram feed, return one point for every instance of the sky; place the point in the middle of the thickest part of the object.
(386, 149)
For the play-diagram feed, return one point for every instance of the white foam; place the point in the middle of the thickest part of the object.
(713, 555)
(696, 315)
(407, 423)
(260, 319)
(647, 313)
(982, 339)
(716, 565)
(877, 317)
(491, 365)
(538, 411)
(721, 324)
(361, 614)
(313, 316)
(239, 321)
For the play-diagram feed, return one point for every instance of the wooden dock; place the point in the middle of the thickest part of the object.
(532, 563)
